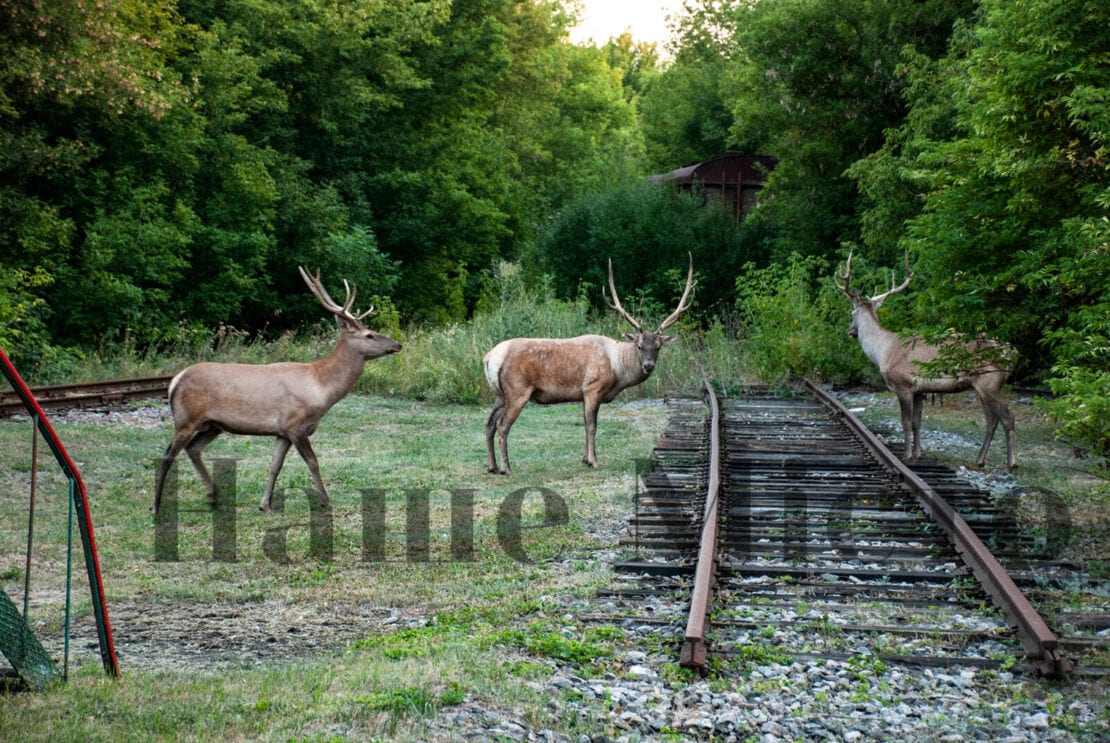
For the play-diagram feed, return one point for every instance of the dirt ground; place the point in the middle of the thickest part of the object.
(215, 638)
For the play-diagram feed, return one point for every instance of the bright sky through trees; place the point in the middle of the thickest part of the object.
(646, 19)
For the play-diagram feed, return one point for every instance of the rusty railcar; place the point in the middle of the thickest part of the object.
(731, 178)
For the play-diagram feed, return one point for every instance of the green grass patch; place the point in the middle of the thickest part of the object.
(414, 700)
(352, 683)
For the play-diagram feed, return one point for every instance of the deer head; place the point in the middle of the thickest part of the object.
(872, 304)
(648, 342)
(366, 342)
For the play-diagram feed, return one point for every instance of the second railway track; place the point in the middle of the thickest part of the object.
(824, 552)
(87, 394)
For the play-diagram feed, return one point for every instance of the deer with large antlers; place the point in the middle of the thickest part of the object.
(900, 364)
(285, 400)
(591, 369)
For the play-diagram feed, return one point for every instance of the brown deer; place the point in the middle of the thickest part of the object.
(286, 400)
(899, 361)
(590, 369)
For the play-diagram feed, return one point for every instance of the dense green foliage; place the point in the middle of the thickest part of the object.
(794, 323)
(998, 183)
(814, 83)
(166, 165)
(648, 231)
(970, 135)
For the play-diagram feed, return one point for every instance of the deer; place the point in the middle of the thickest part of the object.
(286, 400)
(591, 369)
(899, 361)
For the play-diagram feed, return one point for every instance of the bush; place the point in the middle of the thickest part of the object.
(444, 364)
(794, 323)
(648, 230)
(1081, 379)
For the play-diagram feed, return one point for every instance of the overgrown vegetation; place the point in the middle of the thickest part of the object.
(795, 323)
(648, 230)
(170, 181)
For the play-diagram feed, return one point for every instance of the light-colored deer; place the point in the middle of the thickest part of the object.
(899, 361)
(286, 400)
(590, 369)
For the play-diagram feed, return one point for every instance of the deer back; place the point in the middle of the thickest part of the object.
(248, 398)
(559, 369)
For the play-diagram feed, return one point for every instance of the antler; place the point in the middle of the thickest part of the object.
(616, 303)
(344, 310)
(880, 298)
(846, 287)
(682, 306)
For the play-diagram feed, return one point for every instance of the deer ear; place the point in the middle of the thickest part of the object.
(347, 324)
(630, 336)
(877, 303)
(667, 338)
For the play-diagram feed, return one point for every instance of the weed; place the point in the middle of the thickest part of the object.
(408, 700)
(567, 649)
(761, 655)
(676, 674)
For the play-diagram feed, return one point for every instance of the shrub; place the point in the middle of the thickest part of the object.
(1081, 381)
(794, 323)
(648, 230)
(444, 364)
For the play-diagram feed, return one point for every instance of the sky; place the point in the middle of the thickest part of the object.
(646, 19)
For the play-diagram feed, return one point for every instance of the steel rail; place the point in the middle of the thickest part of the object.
(86, 394)
(694, 648)
(1039, 643)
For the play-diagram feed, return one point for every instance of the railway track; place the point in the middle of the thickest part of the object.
(795, 534)
(87, 395)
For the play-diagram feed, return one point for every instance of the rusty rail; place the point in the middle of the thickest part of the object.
(87, 394)
(694, 648)
(1039, 643)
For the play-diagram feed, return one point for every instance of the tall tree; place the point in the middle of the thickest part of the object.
(816, 84)
(682, 111)
(85, 89)
(1007, 141)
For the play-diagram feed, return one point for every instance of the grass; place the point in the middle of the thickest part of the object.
(397, 642)
(383, 642)
(390, 679)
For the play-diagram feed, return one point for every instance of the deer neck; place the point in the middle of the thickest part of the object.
(629, 370)
(338, 372)
(875, 340)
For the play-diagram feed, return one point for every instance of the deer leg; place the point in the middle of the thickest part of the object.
(1008, 426)
(492, 422)
(194, 448)
(590, 406)
(281, 448)
(918, 405)
(504, 424)
(991, 417)
(905, 405)
(177, 443)
(996, 411)
(304, 448)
